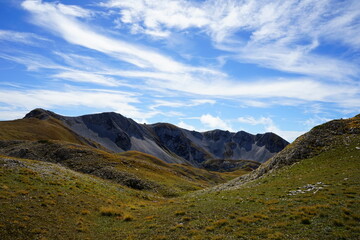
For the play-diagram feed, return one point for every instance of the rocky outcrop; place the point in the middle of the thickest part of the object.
(168, 142)
(318, 140)
(226, 165)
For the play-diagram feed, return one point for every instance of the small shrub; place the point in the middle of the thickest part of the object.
(261, 216)
(23, 192)
(221, 223)
(85, 212)
(247, 219)
(305, 221)
(338, 223)
(179, 213)
(177, 226)
(232, 216)
(44, 141)
(128, 218)
(152, 226)
(110, 211)
(210, 228)
(263, 230)
(275, 235)
(356, 217)
(280, 224)
(346, 211)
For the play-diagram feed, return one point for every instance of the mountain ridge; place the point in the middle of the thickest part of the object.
(166, 141)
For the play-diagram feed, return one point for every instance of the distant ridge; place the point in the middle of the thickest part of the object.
(166, 141)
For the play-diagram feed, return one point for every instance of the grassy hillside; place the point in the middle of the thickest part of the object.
(317, 198)
(314, 196)
(46, 201)
(36, 129)
(132, 169)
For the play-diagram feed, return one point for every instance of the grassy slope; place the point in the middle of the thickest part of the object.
(42, 200)
(36, 129)
(49, 140)
(46, 201)
(134, 169)
(263, 209)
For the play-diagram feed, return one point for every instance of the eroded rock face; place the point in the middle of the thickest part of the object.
(168, 142)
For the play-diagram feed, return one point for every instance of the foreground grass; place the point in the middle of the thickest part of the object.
(46, 201)
(267, 208)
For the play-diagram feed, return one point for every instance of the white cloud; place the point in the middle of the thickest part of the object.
(284, 40)
(288, 135)
(284, 32)
(255, 103)
(316, 120)
(72, 10)
(21, 37)
(214, 122)
(117, 101)
(65, 24)
(208, 83)
(254, 121)
(177, 104)
(270, 126)
(184, 125)
(80, 76)
(33, 62)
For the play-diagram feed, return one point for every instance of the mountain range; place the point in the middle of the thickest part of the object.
(165, 141)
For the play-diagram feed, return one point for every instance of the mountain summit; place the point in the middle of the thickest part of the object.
(168, 142)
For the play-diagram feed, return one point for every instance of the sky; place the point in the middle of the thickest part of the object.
(279, 66)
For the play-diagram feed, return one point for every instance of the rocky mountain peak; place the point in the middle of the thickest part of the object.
(166, 141)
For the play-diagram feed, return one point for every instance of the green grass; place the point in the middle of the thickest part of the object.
(36, 129)
(133, 169)
(263, 209)
(41, 200)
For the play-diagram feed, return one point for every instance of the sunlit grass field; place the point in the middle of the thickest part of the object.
(315, 198)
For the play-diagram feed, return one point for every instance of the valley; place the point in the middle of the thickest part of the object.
(59, 184)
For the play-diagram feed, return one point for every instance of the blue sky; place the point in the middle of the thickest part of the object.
(254, 65)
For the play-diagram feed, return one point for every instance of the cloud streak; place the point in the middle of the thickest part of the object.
(62, 21)
(270, 35)
(99, 99)
(282, 35)
(21, 37)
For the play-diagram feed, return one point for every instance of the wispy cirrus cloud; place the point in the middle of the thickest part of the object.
(88, 77)
(282, 35)
(65, 24)
(178, 104)
(21, 37)
(32, 61)
(254, 121)
(102, 100)
(274, 29)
